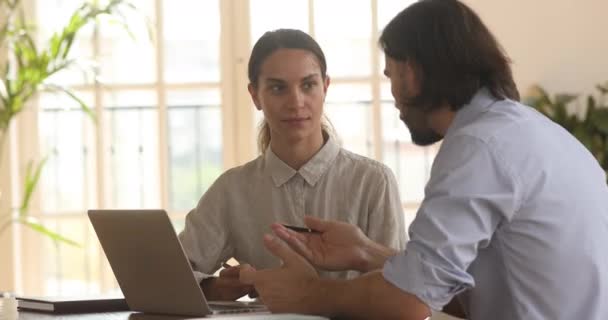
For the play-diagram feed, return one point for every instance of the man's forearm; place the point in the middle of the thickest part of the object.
(368, 297)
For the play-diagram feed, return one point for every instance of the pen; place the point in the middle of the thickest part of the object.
(301, 229)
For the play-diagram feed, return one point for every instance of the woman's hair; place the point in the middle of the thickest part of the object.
(452, 52)
(270, 42)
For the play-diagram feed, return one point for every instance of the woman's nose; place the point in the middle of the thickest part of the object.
(296, 98)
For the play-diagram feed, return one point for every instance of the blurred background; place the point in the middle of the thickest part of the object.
(173, 110)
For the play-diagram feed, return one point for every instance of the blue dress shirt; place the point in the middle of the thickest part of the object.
(514, 222)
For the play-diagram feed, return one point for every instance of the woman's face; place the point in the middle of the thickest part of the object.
(291, 92)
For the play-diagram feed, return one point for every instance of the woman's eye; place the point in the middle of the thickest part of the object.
(309, 85)
(276, 88)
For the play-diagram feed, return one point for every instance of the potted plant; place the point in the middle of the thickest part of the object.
(28, 70)
(591, 129)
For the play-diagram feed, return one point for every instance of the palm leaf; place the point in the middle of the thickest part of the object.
(538, 98)
(565, 98)
(70, 94)
(29, 71)
(35, 225)
(599, 118)
(31, 180)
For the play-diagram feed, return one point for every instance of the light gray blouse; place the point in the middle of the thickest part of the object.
(237, 210)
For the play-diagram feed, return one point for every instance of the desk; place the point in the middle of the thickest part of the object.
(128, 315)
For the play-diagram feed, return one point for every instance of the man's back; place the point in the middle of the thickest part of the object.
(546, 258)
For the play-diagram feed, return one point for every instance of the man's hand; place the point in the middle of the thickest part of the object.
(227, 286)
(289, 288)
(295, 287)
(338, 245)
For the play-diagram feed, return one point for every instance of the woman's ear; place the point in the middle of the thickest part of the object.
(326, 83)
(254, 96)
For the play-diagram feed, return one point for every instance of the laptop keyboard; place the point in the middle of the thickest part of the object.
(223, 308)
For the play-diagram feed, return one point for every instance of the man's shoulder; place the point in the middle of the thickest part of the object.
(504, 120)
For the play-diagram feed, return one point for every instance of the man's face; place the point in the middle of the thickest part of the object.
(405, 85)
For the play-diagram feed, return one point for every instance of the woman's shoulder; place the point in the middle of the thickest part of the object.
(249, 170)
(359, 162)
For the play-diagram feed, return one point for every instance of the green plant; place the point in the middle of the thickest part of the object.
(28, 69)
(591, 129)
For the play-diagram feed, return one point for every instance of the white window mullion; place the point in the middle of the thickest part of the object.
(162, 108)
(311, 18)
(8, 267)
(28, 149)
(237, 112)
(246, 135)
(106, 277)
(226, 52)
(375, 81)
(99, 133)
(7, 239)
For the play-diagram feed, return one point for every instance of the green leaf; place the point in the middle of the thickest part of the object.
(81, 103)
(55, 45)
(560, 115)
(572, 121)
(591, 106)
(60, 66)
(584, 136)
(31, 180)
(123, 25)
(564, 98)
(539, 99)
(35, 225)
(599, 118)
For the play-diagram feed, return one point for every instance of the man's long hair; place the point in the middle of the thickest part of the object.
(452, 52)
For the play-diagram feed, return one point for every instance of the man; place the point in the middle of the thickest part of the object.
(515, 215)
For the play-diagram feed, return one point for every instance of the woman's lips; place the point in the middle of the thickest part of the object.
(295, 120)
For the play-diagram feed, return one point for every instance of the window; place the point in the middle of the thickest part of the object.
(173, 113)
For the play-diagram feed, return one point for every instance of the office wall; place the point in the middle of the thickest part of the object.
(560, 44)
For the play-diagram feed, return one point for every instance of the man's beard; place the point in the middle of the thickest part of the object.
(425, 137)
(415, 120)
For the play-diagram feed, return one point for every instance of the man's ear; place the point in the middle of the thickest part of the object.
(254, 96)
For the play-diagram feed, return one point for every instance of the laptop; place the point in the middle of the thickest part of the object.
(151, 267)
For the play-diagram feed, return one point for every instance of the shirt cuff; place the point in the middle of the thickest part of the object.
(199, 276)
(433, 285)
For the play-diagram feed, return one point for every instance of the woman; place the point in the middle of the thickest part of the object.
(302, 170)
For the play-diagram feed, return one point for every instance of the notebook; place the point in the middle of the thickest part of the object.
(72, 305)
(151, 267)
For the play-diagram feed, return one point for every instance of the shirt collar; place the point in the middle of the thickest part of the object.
(311, 171)
(480, 103)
